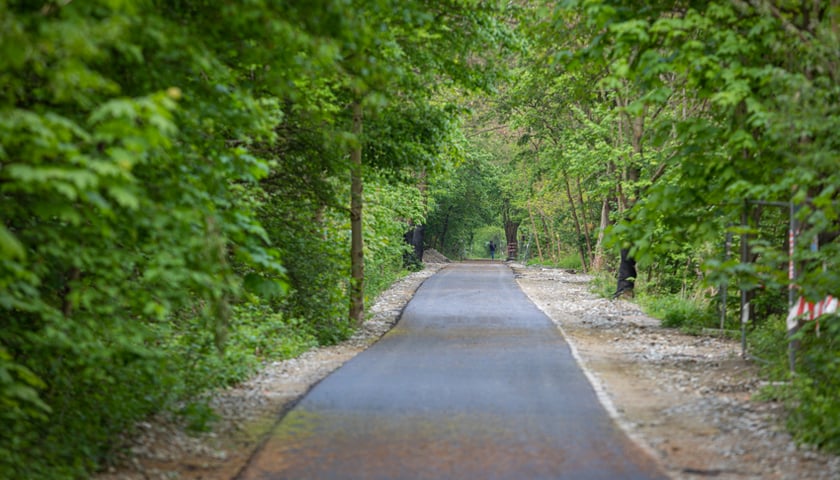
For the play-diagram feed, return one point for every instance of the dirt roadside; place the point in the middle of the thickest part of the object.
(162, 448)
(688, 400)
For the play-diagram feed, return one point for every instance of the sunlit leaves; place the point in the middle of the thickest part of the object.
(162, 161)
(739, 102)
(118, 215)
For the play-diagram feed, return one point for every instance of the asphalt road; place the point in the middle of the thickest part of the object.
(474, 382)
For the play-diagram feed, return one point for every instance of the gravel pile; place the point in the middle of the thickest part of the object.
(430, 255)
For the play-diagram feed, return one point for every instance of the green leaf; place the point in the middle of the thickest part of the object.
(10, 246)
(124, 196)
(267, 288)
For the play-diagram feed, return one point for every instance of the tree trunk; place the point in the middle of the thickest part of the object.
(630, 174)
(583, 260)
(357, 256)
(584, 218)
(626, 274)
(600, 261)
(511, 228)
(414, 237)
(553, 239)
(548, 236)
(535, 232)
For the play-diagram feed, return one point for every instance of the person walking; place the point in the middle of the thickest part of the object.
(492, 247)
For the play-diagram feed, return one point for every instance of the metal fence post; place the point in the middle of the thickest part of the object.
(793, 344)
(745, 304)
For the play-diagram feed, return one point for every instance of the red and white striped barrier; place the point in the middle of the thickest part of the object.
(810, 310)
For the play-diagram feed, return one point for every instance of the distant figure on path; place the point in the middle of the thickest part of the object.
(492, 247)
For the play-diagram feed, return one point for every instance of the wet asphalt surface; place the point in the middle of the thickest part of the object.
(474, 382)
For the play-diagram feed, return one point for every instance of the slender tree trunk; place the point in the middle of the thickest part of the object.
(553, 245)
(548, 236)
(536, 233)
(357, 256)
(627, 266)
(587, 234)
(583, 259)
(599, 261)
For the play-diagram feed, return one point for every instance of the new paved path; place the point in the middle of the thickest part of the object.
(474, 382)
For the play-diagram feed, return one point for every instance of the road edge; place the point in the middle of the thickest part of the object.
(597, 384)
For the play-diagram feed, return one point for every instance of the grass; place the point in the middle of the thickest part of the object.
(569, 261)
(676, 311)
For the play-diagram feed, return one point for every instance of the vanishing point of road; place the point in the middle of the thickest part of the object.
(474, 382)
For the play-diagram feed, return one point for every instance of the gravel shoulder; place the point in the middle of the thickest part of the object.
(689, 400)
(162, 449)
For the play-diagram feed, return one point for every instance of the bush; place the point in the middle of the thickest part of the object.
(678, 312)
(95, 393)
(603, 284)
(814, 408)
(171, 213)
(810, 396)
(769, 342)
(569, 260)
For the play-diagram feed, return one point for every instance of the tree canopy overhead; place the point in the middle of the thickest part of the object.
(188, 188)
(668, 130)
(174, 186)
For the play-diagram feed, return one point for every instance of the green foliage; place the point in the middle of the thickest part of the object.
(676, 311)
(464, 201)
(173, 195)
(260, 333)
(603, 284)
(689, 117)
(199, 416)
(569, 260)
(389, 207)
(481, 238)
(747, 144)
(565, 260)
(314, 246)
(769, 341)
(118, 239)
(814, 416)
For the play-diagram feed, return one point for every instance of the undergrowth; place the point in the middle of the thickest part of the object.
(690, 315)
(809, 394)
(570, 261)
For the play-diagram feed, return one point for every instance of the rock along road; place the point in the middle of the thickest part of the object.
(474, 382)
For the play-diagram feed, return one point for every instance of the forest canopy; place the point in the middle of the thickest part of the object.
(190, 188)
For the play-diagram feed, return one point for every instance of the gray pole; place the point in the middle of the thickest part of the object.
(724, 286)
(745, 304)
(792, 344)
